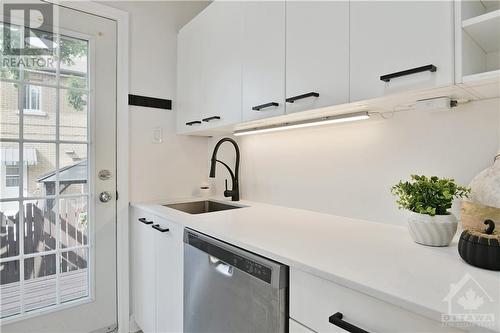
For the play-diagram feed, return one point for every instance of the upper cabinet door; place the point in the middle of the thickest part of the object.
(395, 36)
(263, 59)
(317, 54)
(221, 63)
(188, 77)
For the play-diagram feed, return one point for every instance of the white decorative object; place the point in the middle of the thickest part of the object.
(486, 186)
(429, 230)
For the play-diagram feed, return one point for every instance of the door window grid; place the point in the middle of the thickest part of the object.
(30, 103)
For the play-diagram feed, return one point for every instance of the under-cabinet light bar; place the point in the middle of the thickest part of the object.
(305, 123)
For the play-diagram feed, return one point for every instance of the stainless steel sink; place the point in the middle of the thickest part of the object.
(200, 207)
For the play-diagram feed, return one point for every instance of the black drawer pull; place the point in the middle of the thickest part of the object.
(160, 229)
(388, 77)
(191, 123)
(211, 118)
(143, 220)
(296, 98)
(336, 319)
(263, 106)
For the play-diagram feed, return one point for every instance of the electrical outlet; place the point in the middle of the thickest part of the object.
(435, 104)
(157, 135)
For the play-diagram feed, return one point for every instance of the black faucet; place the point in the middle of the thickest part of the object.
(234, 193)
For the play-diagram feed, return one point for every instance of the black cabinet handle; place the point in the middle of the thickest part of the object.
(263, 106)
(160, 229)
(143, 220)
(296, 98)
(336, 319)
(191, 123)
(211, 118)
(388, 77)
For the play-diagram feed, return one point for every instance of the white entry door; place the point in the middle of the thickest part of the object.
(58, 171)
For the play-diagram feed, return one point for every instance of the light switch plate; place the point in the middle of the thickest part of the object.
(157, 135)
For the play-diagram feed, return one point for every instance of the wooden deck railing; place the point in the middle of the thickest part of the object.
(40, 232)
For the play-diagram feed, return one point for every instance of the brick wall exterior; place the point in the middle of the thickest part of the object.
(73, 126)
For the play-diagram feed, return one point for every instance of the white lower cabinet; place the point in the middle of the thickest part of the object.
(313, 300)
(295, 327)
(143, 272)
(157, 273)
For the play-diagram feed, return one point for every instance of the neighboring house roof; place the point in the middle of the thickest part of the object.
(10, 156)
(52, 71)
(71, 174)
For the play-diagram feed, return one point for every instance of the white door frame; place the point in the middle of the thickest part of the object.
(122, 149)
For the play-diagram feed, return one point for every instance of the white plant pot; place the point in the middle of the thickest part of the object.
(432, 230)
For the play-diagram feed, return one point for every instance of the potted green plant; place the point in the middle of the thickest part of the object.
(428, 200)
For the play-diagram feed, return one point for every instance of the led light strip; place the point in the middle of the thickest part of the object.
(305, 123)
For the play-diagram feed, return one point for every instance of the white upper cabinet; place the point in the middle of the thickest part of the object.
(209, 68)
(317, 54)
(396, 36)
(263, 60)
(221, 63)
(188, 77)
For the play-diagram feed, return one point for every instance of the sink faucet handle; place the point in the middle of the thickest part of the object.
(225, 181)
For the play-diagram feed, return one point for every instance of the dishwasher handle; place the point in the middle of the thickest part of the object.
(264, 269)
(220, 266)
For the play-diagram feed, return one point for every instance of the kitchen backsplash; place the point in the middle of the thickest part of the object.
(348, 169)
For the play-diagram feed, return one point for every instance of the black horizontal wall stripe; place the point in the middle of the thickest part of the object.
(150, 102)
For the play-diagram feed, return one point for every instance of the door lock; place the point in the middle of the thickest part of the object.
(105, 196)
(104, 174)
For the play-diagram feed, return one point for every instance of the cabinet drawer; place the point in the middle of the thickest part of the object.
(294, 327)
(313, 300)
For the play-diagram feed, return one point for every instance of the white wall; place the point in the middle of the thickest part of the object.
(176, 167)
(348, 169)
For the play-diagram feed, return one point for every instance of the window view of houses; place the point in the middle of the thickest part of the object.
(48, 108)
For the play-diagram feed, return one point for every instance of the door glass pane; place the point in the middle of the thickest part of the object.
(74, 274)
(73, 115)
(73, 173)
(39, 226)
(10, 296)
(73, 53)
(40, 169)
(39, 110)
(73, 216)
(10, 65)
(41, 67)
(40, 281)
(9, 229)
(9, 110)
(11, 178)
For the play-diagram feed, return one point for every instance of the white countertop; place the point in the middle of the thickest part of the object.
(379, 260)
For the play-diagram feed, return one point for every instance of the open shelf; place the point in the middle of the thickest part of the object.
(485, 30)
(495, 74)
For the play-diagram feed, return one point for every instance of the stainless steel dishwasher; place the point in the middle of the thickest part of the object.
(227, 289)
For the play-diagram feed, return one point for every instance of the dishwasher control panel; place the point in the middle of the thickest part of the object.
(246, 265)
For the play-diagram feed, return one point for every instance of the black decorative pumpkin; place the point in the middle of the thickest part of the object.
(481, 249)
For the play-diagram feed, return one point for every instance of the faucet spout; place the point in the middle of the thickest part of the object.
(234, 193)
